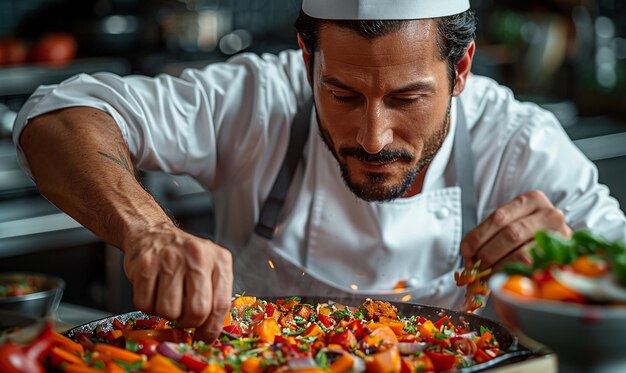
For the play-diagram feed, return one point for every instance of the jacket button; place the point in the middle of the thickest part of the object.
(442, 213)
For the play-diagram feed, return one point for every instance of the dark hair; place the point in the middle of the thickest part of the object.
(454, 34)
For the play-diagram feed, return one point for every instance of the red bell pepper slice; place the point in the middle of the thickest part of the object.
(233, 329)
(444, 343)
(117, 325)
(345, 339)
(441, 360)
(325, 320)
(16, 358)
(257, 317)
(358, 328)
(84, 339)
(442, 321)
(270, 309)
(481, 356)
(146, 324)
(192, 363)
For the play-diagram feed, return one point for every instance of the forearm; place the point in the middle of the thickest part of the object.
(80, 162)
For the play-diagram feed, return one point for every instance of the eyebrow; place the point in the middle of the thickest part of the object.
(415, 86)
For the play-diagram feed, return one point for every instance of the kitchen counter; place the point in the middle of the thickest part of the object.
(599, 137)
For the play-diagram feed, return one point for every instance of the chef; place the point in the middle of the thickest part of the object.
(370, 162)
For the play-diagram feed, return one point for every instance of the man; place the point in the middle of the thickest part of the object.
(415, 159)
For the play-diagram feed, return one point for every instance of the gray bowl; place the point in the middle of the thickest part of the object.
(586, 338)
(28, 327)
(43, 303)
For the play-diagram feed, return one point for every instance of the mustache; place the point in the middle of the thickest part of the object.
(383, 156)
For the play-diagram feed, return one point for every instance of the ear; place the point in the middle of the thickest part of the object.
(463, 69)
(306, 56)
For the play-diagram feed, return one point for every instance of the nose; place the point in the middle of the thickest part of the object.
(375, 131)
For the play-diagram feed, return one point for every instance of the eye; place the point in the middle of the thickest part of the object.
(343, 96)
(407, 99)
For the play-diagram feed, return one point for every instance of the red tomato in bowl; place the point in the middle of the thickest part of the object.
(54, 48)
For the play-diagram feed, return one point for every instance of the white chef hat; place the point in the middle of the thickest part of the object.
(383, 9)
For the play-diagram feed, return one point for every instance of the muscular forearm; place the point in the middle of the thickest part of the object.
(80, 162)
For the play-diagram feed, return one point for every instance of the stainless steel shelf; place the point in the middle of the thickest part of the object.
(23, 80)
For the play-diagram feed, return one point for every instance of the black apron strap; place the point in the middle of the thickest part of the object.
(464, 169)
(299, 133)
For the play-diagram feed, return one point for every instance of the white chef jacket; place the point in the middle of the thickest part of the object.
(227, 126)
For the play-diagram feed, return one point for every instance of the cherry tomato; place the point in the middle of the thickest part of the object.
(521, 285)
(541, 275)
(590, 265)
(554, 290)
(148, 347)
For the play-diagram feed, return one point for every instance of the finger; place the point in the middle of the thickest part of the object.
(197, 301)
(221, 296)
(521, 254)
(509, 239)
(518, 233)
(169, 297)
(143, 280)
(522, 205)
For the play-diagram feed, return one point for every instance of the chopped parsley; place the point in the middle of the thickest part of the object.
(299, 320)
(99, 364)
(321, 360)
(287, 331)
(410, 328)
(360, 313)
(132, 345)
(340, 314)
(484, 330)
(129, 367)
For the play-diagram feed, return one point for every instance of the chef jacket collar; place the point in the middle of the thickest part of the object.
(383, 9)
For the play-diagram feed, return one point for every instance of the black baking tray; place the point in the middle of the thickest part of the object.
(514, 352)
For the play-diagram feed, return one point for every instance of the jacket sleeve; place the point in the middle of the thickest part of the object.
(205, 123)
(542, 157)
(520, 147)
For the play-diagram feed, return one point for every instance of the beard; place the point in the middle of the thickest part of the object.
(378, 186)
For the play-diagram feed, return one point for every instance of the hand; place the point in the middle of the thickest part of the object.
(508, 233)
(181, 277)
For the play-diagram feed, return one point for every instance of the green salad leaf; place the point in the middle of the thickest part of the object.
(551, 248)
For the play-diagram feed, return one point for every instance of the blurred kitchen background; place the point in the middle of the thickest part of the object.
(567, 55)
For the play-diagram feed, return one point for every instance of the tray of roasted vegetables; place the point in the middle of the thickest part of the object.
(293, 334)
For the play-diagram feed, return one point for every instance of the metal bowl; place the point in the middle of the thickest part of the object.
(26, 327)
(586, 338)
(42, 303)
